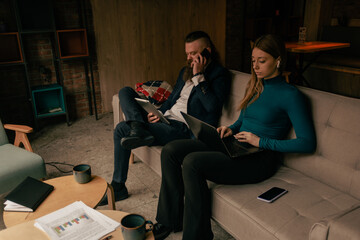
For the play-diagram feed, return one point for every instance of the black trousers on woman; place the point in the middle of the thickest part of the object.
(186, 165)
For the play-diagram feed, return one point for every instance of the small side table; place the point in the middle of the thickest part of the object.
(66, 191)
(28, 231)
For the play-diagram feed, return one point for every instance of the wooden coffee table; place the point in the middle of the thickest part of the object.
(66, 191)
(28, 231)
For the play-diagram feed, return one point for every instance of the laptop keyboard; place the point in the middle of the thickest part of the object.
(234, 146)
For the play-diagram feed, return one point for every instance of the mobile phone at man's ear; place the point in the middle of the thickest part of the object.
(272, 194)
(205, 53)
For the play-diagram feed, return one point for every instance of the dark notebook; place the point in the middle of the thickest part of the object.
(28, 195)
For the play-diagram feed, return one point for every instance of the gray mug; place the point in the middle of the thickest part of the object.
(82, 173)
(133, 227)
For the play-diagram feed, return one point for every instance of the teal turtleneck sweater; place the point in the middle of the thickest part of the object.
(270, 117)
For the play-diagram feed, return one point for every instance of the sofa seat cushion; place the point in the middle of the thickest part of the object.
(16, 164)
(150, 156)
(308, 201)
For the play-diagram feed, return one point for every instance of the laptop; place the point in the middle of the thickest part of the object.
(209, 135)
(150, 108)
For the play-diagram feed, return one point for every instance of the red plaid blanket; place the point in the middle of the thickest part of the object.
(156, 92)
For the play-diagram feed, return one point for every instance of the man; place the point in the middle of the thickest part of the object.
(200, 90)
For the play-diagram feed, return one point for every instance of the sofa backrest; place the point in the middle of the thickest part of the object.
(336, 161)
(3, 137)
(230, 112)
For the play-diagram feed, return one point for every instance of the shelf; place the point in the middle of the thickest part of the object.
(25, 19)
(48, 100)
(10, 48)
(72, 43)
(35, 15)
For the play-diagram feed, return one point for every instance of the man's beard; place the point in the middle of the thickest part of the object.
(188, 72)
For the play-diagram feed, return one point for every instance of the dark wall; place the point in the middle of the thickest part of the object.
(247, 20)
(39, 48)
(139, 40)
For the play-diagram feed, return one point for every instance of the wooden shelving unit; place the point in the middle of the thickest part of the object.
(10, 49)
(37, 17)
(48, 100)
(72, 43)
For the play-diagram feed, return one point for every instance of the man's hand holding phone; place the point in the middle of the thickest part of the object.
(199, 62)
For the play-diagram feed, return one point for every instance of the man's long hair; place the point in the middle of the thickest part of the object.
(195, 36)
(274, 46)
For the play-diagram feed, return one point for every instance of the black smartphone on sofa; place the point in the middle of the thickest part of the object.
(272, 194)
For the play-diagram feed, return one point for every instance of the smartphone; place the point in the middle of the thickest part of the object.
(205, 53)
(272, 194)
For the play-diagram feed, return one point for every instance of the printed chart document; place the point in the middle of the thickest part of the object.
(76, 221)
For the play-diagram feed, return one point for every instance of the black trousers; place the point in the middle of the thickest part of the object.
(186, 165)
(162, 132)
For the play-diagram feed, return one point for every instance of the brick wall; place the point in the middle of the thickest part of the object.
(15, 106)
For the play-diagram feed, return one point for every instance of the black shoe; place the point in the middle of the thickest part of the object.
(138, 137)
(160, 231)
(120, 193)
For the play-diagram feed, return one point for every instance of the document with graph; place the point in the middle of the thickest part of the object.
(76, 221)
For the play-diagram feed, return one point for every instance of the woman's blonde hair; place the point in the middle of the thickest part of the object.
(274, 46)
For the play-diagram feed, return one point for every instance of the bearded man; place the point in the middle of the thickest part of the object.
(201, 89)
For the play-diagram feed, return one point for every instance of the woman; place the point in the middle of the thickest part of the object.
(268, 110)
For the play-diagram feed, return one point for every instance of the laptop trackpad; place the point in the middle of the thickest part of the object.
(237, 148)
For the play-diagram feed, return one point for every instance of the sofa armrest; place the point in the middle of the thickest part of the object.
(20, 128)
(20, 135)
(344, 225)
(117, 112)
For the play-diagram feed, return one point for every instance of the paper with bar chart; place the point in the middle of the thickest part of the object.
(76, 221)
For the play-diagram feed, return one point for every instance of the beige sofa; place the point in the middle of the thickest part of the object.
(323, 201)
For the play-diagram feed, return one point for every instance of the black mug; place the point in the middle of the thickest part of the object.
(133, 227)
(82, 173)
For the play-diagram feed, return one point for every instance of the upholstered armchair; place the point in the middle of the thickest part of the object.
(17, 163)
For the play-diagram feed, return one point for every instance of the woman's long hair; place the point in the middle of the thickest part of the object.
(274, 46)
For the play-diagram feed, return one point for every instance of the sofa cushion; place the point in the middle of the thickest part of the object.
(16, 164)
(3, 136)
(230, 112)
(239, 211)
(337, 158)
(157, 92)
(150, 156)
(343, 225)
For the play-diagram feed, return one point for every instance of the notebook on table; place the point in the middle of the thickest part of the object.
(209, 135)
(27, 196)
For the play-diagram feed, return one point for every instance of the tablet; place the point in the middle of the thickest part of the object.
(150, 108)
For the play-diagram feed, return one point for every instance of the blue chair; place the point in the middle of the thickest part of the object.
(17, 163)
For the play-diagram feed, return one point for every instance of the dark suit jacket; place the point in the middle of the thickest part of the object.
(206, 99)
